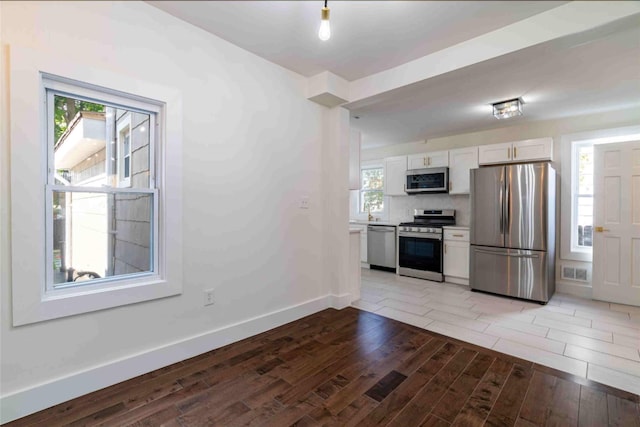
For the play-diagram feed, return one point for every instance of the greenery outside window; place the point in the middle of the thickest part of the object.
(371, 190)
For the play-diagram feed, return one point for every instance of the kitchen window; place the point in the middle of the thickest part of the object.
(99, 154)
(371, 190)
(582, 197)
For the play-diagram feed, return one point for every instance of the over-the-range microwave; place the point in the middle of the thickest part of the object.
(429, 180)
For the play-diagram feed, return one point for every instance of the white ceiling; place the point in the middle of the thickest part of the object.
(594, 71)
(367, 36)
(590, 72)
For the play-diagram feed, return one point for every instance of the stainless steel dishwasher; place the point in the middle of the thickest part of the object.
(381, 247)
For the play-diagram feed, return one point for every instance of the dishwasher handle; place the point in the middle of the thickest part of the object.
(380, 229)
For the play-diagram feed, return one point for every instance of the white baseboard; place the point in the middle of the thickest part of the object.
(27, 401)
(457, 280)
(576, 289)
(340, 301)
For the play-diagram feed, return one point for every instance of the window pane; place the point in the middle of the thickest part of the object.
(585, 221)
(372, 179)
(89, 150)
(372, 199)
(585, 170)
(99, 235)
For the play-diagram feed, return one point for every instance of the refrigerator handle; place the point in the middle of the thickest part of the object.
(505, 205)
(501, 203)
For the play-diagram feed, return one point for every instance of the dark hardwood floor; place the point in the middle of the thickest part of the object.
(349, 367)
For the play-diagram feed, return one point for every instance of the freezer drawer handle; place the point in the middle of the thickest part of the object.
(507, 254)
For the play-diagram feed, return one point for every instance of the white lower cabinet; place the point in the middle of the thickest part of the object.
(363, 245)
(363, 240)
(456, 255)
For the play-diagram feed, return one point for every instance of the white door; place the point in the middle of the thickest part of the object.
(616, 245)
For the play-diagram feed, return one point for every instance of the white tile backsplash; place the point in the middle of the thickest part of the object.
(401, 207)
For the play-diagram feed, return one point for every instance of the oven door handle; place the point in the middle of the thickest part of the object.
(425, 236)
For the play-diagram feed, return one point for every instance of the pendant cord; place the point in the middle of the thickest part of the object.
(325, 3)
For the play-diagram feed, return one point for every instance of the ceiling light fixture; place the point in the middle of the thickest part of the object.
(325, 28)
(506, 109)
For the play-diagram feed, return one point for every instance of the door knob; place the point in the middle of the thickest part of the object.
(601, 229)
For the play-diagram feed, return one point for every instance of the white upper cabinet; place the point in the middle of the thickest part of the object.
(533, 149)
(494, 153)
(539, 149)
(395, 169)
(354, 160)
(433, 159)
(461, 161)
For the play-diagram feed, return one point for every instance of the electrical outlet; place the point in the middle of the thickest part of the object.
(209, 297)
(304, 202)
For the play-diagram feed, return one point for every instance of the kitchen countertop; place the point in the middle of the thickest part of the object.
(354, 230)
(362, 222)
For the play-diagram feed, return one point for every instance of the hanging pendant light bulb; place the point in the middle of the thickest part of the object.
(325, 28)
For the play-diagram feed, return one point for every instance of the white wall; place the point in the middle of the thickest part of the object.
(553, 128)
(252, 147)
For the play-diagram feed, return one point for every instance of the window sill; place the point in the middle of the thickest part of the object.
(58, 304)
(584, 256)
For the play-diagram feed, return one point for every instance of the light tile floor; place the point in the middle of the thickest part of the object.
(592, 339)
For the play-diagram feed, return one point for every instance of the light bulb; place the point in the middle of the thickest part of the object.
(325, 28)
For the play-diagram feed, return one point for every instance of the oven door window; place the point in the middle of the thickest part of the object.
(420, 254)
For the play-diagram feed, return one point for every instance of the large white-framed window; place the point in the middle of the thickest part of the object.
(101, 226)
(79, 241)
(577, 188)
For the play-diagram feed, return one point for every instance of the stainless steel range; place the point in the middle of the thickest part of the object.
(420, 244)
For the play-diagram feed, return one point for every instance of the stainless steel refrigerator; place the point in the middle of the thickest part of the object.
(513, 230)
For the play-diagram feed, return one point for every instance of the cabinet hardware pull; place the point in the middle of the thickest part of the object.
(445, 249)
(457, 235)
(515, 152)
(601, 229)
(508, 153)
(450, 186)
(424, 161)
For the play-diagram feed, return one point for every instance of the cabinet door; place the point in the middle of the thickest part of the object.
(461, 161)
(533, 149)
(395, 169)
(456, 259)
(494, 153)
(438, 159)
(354, 160)
(416, 161)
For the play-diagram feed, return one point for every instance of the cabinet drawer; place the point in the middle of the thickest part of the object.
(459, 235)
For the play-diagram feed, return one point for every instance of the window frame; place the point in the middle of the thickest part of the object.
(575, 196)
(569, 249)
(53, 86)
(31, 301)
(368, 166)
